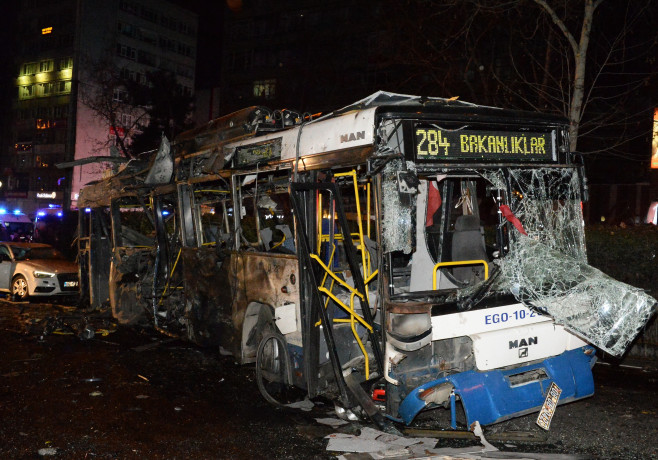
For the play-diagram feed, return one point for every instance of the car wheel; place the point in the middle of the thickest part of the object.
(19, 288)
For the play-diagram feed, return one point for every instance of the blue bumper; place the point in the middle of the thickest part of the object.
(489, 397)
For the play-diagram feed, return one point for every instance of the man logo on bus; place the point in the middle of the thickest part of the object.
(522, 342)
(349, 137)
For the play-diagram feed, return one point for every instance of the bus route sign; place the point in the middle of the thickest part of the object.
(435, 144)
(252, 154)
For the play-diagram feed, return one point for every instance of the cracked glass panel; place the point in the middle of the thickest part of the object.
(606, 312)
(547, 269)
(547, 202)
(398, 209)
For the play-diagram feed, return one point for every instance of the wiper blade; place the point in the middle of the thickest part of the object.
(480, 293)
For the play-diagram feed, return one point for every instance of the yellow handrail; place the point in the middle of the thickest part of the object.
(358, 238)
(346, 308)
(362, 245)
(335, 277)
(164, 291)
(459, 262)
(279, 243)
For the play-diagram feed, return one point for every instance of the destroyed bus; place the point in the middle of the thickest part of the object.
(396, 255)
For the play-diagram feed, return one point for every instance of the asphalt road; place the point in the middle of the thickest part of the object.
(129, 393)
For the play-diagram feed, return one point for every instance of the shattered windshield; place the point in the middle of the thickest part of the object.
(546, 267)
(516, 231)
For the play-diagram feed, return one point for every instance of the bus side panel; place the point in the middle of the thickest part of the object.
(220, 289)
(208, 296)
(129, 283)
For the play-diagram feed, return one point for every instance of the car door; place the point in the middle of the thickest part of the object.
(6, 267)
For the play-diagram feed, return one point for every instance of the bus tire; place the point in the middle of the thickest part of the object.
(273, 367)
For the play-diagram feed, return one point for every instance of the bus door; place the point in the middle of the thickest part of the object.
(94, 250)
(207, 227)
(132, 258)
(338, 261)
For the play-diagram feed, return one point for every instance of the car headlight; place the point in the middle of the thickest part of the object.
(41, 274)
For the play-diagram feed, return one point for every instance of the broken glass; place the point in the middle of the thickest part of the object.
(547, 269)
(398, 207)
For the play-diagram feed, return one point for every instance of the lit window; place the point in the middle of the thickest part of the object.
(46, 66)
(45, 123)
(23, 147)
(66, 63)
(26, 92)
(29, 69)
(265, 88)
(63, 87)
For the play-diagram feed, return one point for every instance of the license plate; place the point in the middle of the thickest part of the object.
(70, 283)
(548, 409)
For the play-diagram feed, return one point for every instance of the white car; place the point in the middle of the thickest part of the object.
(36, 269)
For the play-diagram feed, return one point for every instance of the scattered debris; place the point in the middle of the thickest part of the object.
(141, 396)
(95, 393)
(66, 321)
(346, 414)
(331, 421)
(477, 431)
(142, 377)
(506, 436)
(92, 380)
(87, 333)
(305, 405)
(374, 444)
(48, 451)
(383, 445)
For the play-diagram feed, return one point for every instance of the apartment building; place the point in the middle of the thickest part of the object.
(64, 48)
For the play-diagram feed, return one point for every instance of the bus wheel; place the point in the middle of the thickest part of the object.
(273, 368)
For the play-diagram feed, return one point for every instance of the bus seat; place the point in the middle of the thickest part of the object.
(468, 244)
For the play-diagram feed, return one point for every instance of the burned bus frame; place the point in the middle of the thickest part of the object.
(208, 268)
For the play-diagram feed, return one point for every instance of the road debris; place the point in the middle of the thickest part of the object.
(505, 436)
(305, 405)
(374, 444)
(47, 451)
(331, 421)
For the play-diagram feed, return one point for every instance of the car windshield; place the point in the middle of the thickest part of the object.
(48, 253)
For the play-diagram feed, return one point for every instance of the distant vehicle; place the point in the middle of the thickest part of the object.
(15, 227)
(36, 269)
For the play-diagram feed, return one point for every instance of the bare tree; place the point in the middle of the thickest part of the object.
(584, 59)
(110, 92)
